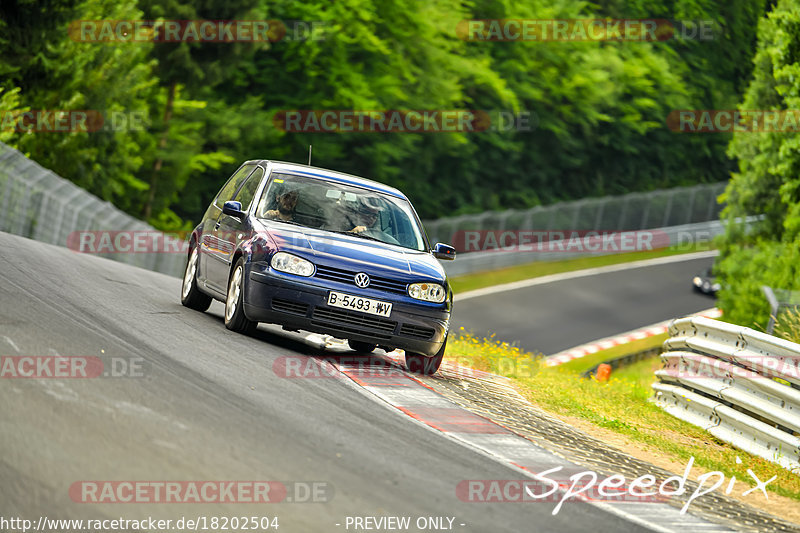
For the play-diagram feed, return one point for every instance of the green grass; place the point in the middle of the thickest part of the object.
(479, 280)
(585, 363)
(620, 405)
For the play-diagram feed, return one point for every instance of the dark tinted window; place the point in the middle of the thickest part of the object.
(227, 192)
(248, 190)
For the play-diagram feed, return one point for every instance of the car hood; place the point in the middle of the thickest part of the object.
(355, 253)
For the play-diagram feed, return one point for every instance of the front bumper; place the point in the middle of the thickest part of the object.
(292, 303)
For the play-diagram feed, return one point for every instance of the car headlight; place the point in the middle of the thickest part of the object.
(697, 281)
(430, 292)
(291, 264)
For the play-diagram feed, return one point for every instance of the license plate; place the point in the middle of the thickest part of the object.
(357, 303)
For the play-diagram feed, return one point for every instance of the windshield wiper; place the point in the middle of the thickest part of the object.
(354, 234)
(369, 237)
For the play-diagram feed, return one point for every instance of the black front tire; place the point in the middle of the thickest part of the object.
(420, 364)
(361, 347)
(235, 319)
(191, 296)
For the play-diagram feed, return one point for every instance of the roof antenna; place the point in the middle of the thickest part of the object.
(309, 155)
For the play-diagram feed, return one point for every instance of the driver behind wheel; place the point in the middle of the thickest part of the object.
(368, 216)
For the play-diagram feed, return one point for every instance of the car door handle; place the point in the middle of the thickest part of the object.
(216, 226)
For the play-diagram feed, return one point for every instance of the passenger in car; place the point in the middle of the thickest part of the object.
(287, 204)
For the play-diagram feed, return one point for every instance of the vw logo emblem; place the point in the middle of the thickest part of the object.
(362, 280)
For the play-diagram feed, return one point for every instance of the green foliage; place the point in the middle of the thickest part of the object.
(9, 100)
(597, 109)
(767, 181)
(108, 78)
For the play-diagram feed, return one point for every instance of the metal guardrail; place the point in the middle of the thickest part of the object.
(779, 300)
(38, 204)
(467, 263)
(687, 236)
(741, 385)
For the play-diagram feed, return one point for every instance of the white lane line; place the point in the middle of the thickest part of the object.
(486, 291)
(13, 345)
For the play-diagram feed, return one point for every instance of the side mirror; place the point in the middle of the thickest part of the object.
(233, 209)
(444, 251)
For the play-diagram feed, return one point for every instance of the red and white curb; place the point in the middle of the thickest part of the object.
(604, 344)
(402, 392)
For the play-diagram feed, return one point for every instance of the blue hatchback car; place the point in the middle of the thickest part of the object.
(321, 251)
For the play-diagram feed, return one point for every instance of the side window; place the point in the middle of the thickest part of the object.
(248, 190)
(267, 200)
(228, 190)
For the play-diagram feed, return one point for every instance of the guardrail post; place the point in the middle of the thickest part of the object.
(623, 213)
(690, 210)
(773, 304)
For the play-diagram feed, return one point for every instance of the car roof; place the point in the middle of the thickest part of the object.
(330, 175)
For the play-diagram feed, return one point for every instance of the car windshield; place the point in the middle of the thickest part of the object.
(341, 208)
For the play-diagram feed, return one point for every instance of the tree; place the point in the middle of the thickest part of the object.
(767, 182)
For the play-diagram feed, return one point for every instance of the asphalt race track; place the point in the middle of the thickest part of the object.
(208, 406)
(556, 316)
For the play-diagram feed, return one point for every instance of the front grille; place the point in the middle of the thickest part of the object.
(290, 307)
(420, 332)
(355, 322)
(375, 282)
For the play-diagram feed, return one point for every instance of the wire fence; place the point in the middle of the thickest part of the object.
(630, 212)
(38, 204)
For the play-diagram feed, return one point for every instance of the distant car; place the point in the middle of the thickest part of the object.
(316, 250)
(706, 282)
